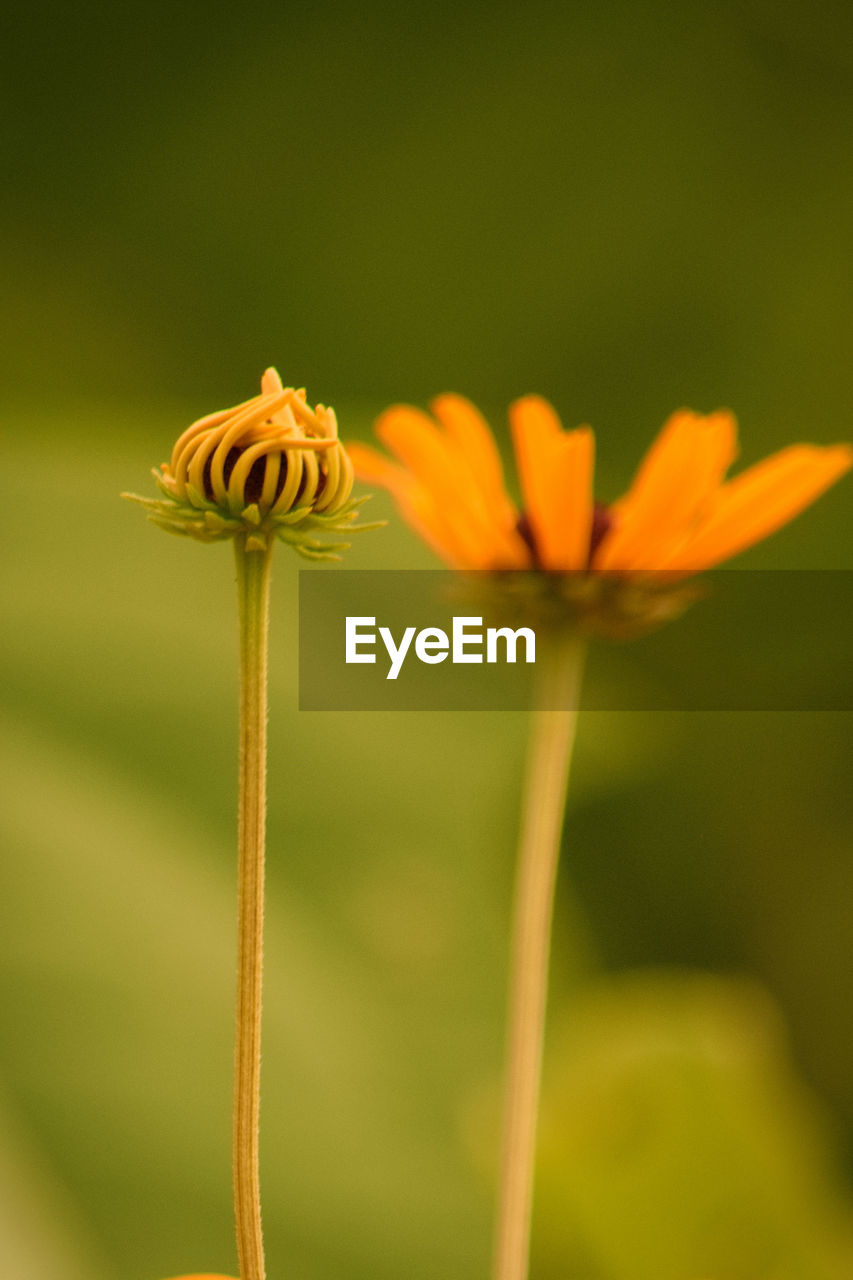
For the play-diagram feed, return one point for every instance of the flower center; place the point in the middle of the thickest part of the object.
(254, 485)
(602, 523)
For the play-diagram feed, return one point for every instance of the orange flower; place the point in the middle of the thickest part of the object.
(680, 514)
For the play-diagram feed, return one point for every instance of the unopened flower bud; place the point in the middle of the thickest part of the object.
(270, 467)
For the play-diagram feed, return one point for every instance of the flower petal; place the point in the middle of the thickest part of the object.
(571, 504)
(761, 500)
(416, 441)
(413, 500)
(440, 466)
(464, 424)
(374, 468)
(270, 382)
(555, 470)
(676, 480)
(432, 511)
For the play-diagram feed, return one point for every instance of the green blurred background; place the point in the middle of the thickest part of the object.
(626, 207)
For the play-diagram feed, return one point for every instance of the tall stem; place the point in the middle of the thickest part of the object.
(549, 756)
(253, 575)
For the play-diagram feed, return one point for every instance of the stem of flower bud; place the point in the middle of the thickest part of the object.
(253, 576)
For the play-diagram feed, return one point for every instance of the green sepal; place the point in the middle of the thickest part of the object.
(363, 528)
(216, 523)
(161, 484)
(293, 517)
(314, 555)
(169, 527)
(199, 500)
(302, 528)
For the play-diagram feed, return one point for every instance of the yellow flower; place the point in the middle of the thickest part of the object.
(270, 467)
(679, 516)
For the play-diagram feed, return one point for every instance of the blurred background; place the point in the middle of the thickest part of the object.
(625, 207)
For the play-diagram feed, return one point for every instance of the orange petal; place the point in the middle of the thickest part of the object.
(668, 447)
(675, 481)
(535, 427)
(570, 501)
(555, 470)
(430, 523)
(431, 459)
(441, 468)
(468, 428)
(761, 500)
(433, 516)
(416, 441)
(373, 467)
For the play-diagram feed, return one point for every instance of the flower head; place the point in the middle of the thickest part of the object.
(270, 467)
(679, 516)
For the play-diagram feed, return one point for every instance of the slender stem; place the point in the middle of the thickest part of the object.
(253, 575)
(549, 755)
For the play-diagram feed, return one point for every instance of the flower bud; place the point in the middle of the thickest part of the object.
(270, 467)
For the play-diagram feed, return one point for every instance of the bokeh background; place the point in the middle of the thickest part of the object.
(626, 207)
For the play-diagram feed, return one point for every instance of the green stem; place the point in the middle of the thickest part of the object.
(549, 756)
(253, 576)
